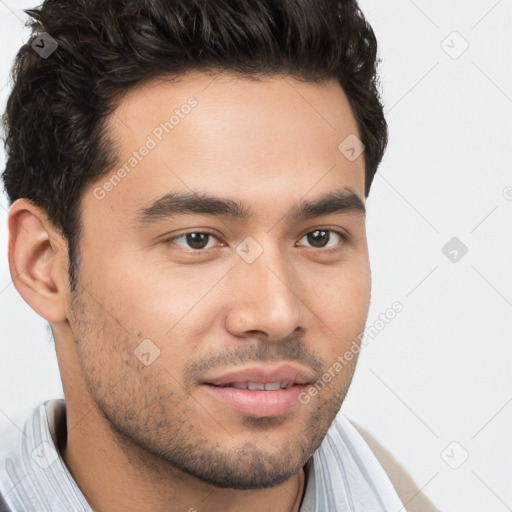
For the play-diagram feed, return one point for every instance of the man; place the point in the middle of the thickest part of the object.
(188, 185)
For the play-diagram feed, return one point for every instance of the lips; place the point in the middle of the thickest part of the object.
(259, 391)
(260, 378)
(257, 404)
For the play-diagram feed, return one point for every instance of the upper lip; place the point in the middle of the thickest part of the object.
(263, 374)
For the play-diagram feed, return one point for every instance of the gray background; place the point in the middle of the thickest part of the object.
(433, 390)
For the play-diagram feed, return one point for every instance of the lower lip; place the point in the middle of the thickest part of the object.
(257, 403)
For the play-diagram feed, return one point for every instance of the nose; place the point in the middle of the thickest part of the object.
(265, 297)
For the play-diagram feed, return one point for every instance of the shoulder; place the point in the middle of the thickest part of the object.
(346, 472)
(27, 450)
(11, 460)
(345, 445)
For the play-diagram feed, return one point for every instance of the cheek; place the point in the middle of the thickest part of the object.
(147, 297)
(170, 308)
(342, 311)
(342, 297)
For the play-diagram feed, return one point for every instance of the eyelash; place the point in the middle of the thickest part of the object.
(344, 238)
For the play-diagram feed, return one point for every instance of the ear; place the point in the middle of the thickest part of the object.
(38, 261)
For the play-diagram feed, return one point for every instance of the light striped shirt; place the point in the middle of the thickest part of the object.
(343, 475)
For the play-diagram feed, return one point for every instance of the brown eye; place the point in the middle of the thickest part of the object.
(194, 240)
(319, 238)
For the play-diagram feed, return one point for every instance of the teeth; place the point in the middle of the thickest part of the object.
(259, 386)
(254, 386)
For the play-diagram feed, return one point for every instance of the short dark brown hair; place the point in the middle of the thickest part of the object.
(55, 121)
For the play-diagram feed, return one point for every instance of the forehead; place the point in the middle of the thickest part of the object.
(264, 140)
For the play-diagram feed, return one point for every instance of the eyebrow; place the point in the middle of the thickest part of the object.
(344, 201)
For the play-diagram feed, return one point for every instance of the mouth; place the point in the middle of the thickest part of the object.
(261, 391)
(259, 402)
(259, 377)
(256, 386)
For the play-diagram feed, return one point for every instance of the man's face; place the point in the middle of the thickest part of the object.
(159, 315)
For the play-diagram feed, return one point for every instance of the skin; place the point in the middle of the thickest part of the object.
(149, 437)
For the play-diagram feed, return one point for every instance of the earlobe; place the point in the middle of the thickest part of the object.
(38, 260)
